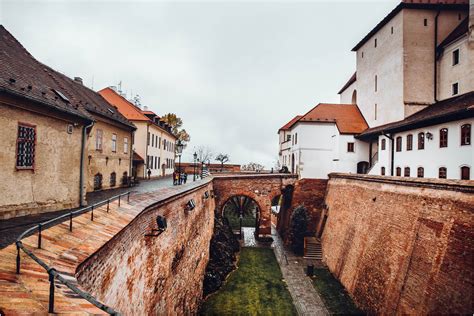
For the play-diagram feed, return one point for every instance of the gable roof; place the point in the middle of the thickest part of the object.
(420, 4)
(128, 109)
(288, 125)
(459, 31)
(351, 80)
(451, 109)
(22, 74)
(348, 118)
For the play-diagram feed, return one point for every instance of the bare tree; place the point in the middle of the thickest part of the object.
(252, 166)
(204, 153)
(223, 158)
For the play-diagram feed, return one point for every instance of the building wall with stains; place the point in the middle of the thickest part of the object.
(401, 245)
(163, 275)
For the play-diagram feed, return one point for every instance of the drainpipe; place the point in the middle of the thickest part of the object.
(435, 57)
(392, 154)
(81, 174)
(132, 140)
(146, 151)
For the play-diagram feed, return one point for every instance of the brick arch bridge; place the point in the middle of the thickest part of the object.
(262, 188)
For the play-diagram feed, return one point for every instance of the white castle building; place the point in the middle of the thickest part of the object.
(413, 89)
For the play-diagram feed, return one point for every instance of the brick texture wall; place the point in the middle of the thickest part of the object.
(162, 275)
(402, 245)
(309, 193)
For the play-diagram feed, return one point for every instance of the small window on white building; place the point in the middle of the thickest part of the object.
(406, 172)
(362, 54)
(420, 172)
(296, 138)
(466, 134)
(383, 144)
(375, 43)
(443, 137)
(455, 88)
(114, 142)
(465, 173)
(399, 143)
(375, 83)
(288, 138)
(456, 57)
(421, 140)
(350, 147)
(98, 139)
(375, 112)
(442, 173)
(382, 171)
(399, 172)
(391, 30)
(409, 142)
(425, 22)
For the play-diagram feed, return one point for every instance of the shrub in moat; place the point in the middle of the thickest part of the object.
(298, 226)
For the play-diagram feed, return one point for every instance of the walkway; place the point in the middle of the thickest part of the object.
(305, 297)
(27, 293)
(10, 229)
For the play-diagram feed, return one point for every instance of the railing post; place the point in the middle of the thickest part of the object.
(92, 213)
(51, 291)
(128, 197)
(70, 222)
(119, 200)
(17, 258)
(39, 235)
(108, 202)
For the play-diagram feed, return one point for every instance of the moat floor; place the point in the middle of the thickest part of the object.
(255, 288)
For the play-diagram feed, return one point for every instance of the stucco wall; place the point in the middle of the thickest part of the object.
(96, 160)
(54, 183)
(401, 246)
(162, 275)
(346, 97)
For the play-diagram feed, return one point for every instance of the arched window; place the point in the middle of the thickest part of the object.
(443, 137)
(98, 181)
(409, 142)
(382, 171)
(406, 172)
(421, 172)
(465, 173)
(442, 173)
(113, 179)
(466, 134)
(354, 97)
(383, 143)
(421, 140)
(399, 172)
(399, 143)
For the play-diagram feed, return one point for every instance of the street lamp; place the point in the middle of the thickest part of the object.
(179, 151)
(194, 166)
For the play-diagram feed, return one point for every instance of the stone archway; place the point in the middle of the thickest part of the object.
(241, 212)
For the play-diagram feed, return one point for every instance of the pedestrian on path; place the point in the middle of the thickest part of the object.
(149, 174)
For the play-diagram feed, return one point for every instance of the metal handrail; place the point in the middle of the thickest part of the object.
(53, 274)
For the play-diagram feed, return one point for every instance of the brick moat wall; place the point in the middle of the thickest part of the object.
(402, 245)
(309, 193)
(162, 275)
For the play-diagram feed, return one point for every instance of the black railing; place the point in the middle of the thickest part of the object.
(53, 274)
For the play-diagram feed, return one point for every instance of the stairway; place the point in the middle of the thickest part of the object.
(312, 249)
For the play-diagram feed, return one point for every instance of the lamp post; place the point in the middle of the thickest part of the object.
(194, 166)
(179, 151)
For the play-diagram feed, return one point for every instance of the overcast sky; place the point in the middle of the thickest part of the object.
(234, 71)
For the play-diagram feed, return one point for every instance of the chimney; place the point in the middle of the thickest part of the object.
(145, 108)
(113, 88)
(78, 79)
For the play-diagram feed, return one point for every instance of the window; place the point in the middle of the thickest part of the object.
(406, 172)
(456, 57)
(443, 137)
(442, 172)
(25, 146)
(362, 54)
(420, 172)
(425, 22)
(288, 138)
(159, 162)
(382, 171)
(375, 83)
(383, 143)
(399, 172)
(409, 142)
(466, 134)
(375, 112)
(455, 88)
(151, 162)
(125, 145)
(148, 139)
(296, 138)
(350, 147)
(152, 140)
(113, 179)
(421, 140)
(375, 43)
(125, 178)
(98, 139)
(97, 181)
(459, 16)
(159, 143)
(465, 173)
(391, 30)
(399, 143)
(114, 142)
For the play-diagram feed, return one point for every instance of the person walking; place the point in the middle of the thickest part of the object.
(149, 174)
(175, 177)
(185, 177)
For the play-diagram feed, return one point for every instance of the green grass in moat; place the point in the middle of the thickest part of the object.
(255, 288)
(333, 293)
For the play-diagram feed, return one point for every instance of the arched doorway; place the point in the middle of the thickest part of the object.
(362, 167)
(354, 97)
(243, 214)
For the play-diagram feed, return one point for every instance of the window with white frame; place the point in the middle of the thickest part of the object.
(125, 145)
(114, 142)
(98, 139)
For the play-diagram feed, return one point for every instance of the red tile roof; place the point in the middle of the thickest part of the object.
(22, 74)
(351, 80)
(128, 109)
(348, 118)
(288, 125)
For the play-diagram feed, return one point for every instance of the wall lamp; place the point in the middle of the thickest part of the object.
(429, 135)
(206, 195)
(190, 205)
(161, 227)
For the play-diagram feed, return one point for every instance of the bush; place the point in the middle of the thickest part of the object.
(298, 226)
